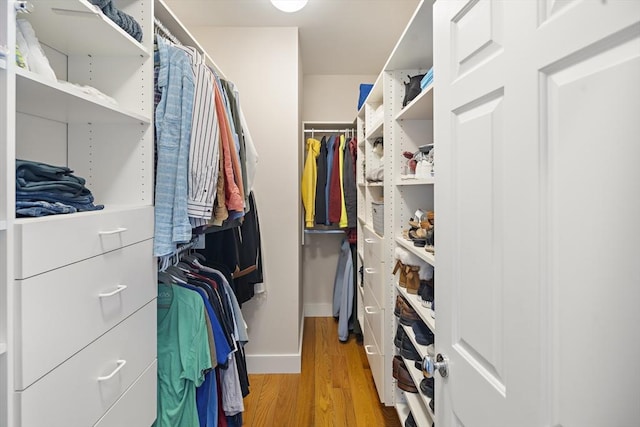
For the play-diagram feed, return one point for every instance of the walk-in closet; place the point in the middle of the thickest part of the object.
(224, 213)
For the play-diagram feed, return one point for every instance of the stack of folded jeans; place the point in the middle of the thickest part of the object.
(43, 189)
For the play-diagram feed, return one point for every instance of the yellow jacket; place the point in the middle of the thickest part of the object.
(309, 179)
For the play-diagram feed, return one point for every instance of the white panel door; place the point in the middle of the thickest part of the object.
(538, 200)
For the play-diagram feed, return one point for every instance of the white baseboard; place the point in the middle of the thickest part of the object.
(318, 310)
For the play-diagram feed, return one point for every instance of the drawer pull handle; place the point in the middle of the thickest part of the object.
(370, 241)
(119, 289)
(370, 270)
(121, 363)
(368, 351)
(116, 231)
(369, 309)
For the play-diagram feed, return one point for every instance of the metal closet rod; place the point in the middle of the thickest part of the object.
(165, 31)
(328, 130)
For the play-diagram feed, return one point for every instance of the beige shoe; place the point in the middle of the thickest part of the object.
(413, 279)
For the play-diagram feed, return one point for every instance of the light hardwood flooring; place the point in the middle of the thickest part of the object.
(334, 389)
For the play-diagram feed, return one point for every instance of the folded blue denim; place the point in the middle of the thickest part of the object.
(41, 208)
(79, 203)
(35, 176)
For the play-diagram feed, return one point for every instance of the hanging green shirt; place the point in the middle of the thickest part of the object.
(183, 355)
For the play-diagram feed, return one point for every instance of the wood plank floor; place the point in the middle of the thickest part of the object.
(334, 389)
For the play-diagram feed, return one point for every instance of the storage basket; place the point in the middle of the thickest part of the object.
(377, 210)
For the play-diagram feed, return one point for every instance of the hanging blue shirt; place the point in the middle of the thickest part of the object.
(173, 133)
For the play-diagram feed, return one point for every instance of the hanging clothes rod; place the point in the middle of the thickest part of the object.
(328, 130)
(160, 28)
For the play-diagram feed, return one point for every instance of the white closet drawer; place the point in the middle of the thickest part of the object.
(86, 299)
(374, 281)
(376, 359)
(81, 390)
(138, 405)
(46, 243)
(374, 313)
(372, 245)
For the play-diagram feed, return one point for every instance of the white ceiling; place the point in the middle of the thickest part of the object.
(336, 36)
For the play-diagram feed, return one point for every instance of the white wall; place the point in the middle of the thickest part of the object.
(327, 98)
(264, 64)
(332, 98)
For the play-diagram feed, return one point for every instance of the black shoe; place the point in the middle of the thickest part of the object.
(410, 422)
(432, 406)
(400, 334)
(408, 351)
(426, 387)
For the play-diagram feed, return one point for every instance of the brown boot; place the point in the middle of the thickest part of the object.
(413, 279)
(402, 281)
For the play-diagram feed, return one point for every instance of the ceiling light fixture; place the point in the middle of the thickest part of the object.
(289, 5)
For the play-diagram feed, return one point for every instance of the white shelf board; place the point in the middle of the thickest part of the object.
(412, 180)
(3, 224)
(78, 28)
(420, 108)
(3, 64)
(362, 220)
(362, 184)
(417, 376)
(415, 46)
(420, 252)
(376, 132)
(422, 349)
(361, 254)
(417, 407)
(53, 100)
(423, 312)
(375, 96)
(370, 228)
(3, 348)
(403, 412)
(375, 184)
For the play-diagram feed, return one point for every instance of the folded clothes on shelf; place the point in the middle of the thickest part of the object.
(43, 189)
(124, 21)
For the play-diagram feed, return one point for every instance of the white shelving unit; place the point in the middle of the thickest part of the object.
(404, 129)
(110, 144)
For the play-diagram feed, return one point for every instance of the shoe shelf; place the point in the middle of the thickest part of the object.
(418, 408)
(412, 180)
(420, 108)
(375, 184)
(3, 225)
(423, 312)
(3, 63)
(3, 348)
(417, 376)
(362, 184)
(67, 104)
(420, 252)
(79, 28)
(422, 349)
(403, 411)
